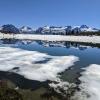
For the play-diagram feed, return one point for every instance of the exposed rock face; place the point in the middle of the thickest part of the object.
(9, 28)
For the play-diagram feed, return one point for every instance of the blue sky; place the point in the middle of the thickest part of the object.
(37, 13)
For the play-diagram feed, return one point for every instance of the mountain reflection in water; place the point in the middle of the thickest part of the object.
(64, 44)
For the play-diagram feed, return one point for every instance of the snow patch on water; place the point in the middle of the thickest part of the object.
(90, 86)
(23, 62)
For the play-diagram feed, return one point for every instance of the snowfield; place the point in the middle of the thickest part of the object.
(85, 39)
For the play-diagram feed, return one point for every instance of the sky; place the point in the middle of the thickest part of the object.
(36, 13)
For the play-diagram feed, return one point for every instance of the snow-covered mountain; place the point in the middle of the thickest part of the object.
(26, 29)
(51, 29)
(65, 30)
(9, 28)
(85, 28)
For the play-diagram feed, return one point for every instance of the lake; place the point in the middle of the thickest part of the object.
(43, 70)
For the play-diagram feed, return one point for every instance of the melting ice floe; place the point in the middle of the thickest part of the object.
(23, 62)
(90, 86)
(64, 88)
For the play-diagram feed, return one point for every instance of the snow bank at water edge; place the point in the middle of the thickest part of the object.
(34, 65)
(90, 86)
(85, 39)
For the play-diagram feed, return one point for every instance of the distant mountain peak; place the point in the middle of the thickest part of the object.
(84, 26)
(9, 28)
(26, 29)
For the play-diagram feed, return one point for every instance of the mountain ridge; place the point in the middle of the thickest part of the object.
(61, 30)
